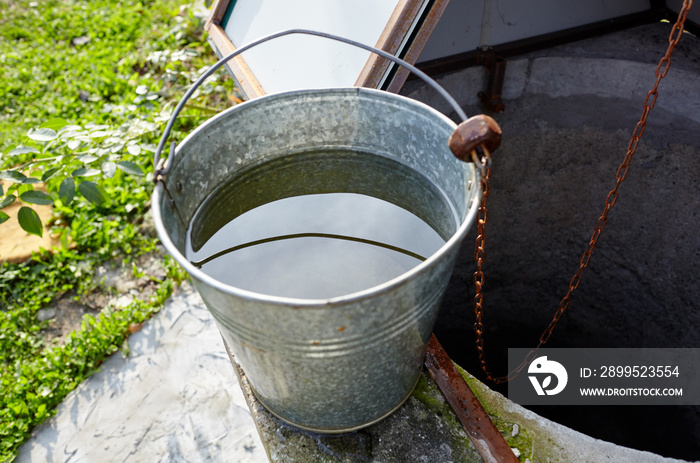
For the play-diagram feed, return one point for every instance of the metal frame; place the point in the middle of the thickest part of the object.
(404, 36)
(656, 13)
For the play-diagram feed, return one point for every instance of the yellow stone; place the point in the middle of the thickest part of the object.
(16, 245)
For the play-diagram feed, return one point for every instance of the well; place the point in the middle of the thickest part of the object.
(570, 111)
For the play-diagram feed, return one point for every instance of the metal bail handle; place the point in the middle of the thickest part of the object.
(162, 165)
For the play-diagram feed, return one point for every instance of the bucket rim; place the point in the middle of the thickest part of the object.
(301, 303)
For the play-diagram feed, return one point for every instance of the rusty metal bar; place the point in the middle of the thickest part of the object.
(496, 67)
(483, 433)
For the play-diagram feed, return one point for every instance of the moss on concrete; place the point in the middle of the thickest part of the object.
(428, 394)
(523, 439)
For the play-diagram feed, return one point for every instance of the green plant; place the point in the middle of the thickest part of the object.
(87, 88)
(32, 385)
(133, 99)
(66, 159)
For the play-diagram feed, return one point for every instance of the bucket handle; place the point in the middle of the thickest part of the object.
(162, 165)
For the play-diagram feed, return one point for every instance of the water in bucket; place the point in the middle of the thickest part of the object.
(347, 221)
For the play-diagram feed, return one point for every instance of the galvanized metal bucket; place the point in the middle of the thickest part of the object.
(327, 365)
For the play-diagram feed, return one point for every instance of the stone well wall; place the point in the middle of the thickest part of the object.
(570, 112)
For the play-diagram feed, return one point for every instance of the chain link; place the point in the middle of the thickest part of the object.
(610, 200)
(479, 257)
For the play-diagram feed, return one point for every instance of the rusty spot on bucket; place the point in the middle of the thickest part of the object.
(248, 346)
(342, 328)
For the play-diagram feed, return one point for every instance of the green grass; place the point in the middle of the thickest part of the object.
(114, 70)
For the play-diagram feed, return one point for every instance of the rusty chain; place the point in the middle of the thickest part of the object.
(611, 199)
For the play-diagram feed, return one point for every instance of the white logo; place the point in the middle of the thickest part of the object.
(541, 365)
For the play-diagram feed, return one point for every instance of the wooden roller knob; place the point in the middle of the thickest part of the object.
(472, 133)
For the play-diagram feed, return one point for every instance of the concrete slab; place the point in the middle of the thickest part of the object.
(426, 430)
(175, 399)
